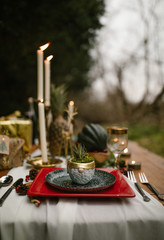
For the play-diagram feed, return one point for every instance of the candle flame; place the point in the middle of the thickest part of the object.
(71, 103)
(122, 143)
(115, 140)
(49, 57)
(125, 150)
(42, 48)
(41, 100)
(133, 162)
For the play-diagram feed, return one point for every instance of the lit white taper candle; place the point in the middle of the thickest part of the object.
(40, 70)
(47, 64)
(70, 116)
(42, 131)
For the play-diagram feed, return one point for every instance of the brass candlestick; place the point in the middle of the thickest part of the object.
(67, 143)
(37, 162)
(71, 118)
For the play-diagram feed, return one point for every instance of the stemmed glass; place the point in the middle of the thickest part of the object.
(117, 141)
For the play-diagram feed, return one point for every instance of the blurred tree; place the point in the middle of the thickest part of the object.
(131, 60)
(25, 25)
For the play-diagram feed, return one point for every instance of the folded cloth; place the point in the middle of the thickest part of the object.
(80, 218)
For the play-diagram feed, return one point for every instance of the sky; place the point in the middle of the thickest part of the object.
(126, 25)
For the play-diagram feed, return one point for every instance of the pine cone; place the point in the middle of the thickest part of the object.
(32, 173)
(23, 188)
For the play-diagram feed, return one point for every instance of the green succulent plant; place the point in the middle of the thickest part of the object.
(80, 154)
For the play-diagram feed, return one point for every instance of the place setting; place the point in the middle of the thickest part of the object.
(81, 177)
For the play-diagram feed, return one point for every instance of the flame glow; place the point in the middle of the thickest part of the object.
(49, 57)
(122, 143)
(133, 162)
(115, 140)
(71, 103)
(42, 48)
(125, 150)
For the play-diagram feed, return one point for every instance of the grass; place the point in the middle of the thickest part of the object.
(149, 136)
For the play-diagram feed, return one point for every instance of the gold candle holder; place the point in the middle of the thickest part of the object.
(67, 143)
(37, 162)
(133, 165)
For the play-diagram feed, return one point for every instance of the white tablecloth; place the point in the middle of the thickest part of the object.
(79, 218)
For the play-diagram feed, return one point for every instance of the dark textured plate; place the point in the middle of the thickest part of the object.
(60, 179)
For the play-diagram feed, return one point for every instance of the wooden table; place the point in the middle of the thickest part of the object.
(151, 164)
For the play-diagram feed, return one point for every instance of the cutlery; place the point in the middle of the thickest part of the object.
(18, 182)
(144, 180)
(5, 180)
(131, 176)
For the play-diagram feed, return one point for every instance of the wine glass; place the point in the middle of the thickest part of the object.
(117, 141)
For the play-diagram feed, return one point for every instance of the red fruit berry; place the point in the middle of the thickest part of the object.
(27, 179)
(105, 151)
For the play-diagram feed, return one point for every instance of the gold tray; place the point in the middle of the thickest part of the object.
(37, 162)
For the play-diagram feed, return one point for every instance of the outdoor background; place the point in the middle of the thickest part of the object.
(109, 53)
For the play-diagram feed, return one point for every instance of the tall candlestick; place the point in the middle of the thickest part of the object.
(40, 70)
(47, 64)
(42, 131)
(70, 116)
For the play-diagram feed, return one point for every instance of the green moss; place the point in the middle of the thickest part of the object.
(86, 159)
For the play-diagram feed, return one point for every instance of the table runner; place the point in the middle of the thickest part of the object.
(79, 218)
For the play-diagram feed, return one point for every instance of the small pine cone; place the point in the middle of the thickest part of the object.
(23, 188)
(32, 174)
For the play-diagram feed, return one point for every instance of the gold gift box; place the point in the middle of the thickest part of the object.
(18, 128)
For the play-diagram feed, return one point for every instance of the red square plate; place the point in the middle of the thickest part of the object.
(40, 188)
